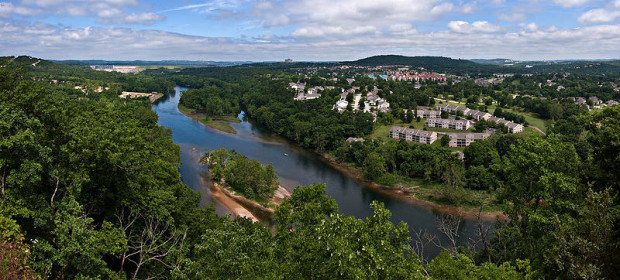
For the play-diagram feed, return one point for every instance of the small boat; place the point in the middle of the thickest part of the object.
(285, 154)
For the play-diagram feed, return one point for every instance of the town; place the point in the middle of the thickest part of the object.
(452, 117)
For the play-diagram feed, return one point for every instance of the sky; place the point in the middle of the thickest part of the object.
(309, 30)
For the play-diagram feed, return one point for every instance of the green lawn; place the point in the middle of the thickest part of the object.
(531, 118)
(382, 131)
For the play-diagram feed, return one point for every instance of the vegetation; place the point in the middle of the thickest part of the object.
(90, 188)
(211, 101)
(245, 176)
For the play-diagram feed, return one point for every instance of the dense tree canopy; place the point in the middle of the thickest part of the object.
(245, 176)
(90, 188)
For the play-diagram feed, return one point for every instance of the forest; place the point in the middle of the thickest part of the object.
(558, 190)
(90, 188)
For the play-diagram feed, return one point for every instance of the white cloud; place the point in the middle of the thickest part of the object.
(443, 8)
(531, 42)
(106, 11)
(474, 27)
(347, 17)
(7, 9)
(531, 27)
(332, 30)
(143, 18)
(402, 29)
(598, 16)
(570, 3)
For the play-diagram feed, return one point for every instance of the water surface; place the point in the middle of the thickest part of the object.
(294, 167)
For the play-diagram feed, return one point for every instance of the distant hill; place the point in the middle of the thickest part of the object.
(186, 63)
(494, 61)
(432, 63)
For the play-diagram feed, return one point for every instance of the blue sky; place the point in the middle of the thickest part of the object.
(309, 29)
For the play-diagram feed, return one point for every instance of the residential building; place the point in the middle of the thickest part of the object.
(477, 115)
(404, 75)
(452, 109)
(498, 120)
(449, 123)
(514, 127)
(414, 135)
(580, 101)
(341, 105)
(374, 101)
(298, 86)
(595, 101)
(428, 113)
(464, 139)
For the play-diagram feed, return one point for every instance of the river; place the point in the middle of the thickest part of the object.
(295, 167)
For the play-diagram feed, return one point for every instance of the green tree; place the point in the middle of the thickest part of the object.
(445, 141)
(374, 166)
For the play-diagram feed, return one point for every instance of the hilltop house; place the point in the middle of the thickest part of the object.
(415, 135)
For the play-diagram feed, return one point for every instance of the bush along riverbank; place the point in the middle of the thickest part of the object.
(423, 193)
(242, 184)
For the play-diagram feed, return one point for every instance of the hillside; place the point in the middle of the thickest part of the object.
(70, 76)
(433, 63)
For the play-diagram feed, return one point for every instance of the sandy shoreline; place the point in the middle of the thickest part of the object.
(240, 206)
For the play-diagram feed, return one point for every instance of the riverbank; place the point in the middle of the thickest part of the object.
(221, 124)
(419, 192)
(415, 195)
(240, 206)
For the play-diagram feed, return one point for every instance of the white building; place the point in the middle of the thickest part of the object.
(449, 123)
(415, 135)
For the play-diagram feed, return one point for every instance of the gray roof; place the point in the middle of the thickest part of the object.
(512, 124)
(413, 132)
(448, 121)
(467, 135)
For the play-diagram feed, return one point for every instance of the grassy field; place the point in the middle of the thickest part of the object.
(219, 123)
(531, 118)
